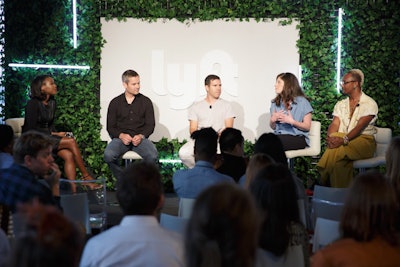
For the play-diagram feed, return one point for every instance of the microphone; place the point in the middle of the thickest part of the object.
(210, 107)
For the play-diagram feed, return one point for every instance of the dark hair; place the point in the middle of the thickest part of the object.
(127, 74)
(36, 87)
(291, 89)
(229, 138)
(139, 188)
(49, 239)
(6, 135)
(270, 144)
(370, 209)
(274, 191)
(210, 78)
(205, 144)
(30, 143)
(256, 163)
(223, 228)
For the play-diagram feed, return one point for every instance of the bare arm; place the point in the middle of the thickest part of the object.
(361, 125)
(334, 142)
(193, 126)
(304, 125)
(229, 122)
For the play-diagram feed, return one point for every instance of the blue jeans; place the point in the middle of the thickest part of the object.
(115, 149)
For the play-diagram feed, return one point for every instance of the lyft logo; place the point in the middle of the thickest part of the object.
(184, 83)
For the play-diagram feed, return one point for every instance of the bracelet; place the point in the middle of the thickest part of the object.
(345, 140)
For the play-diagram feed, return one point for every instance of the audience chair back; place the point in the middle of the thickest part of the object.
(173, 223)
(16, 124)
(328, 202)
(315, 145)
(294, 257)
(186, 207)
(325, 232)
(76, 208)
(382, 138)
(93, 210)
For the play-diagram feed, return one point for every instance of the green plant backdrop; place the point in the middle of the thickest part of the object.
(41, 32)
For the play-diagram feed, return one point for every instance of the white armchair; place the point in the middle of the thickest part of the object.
(315, 144)
(16, 125)
(382, 138)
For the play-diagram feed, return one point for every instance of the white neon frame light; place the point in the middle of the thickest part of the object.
(74, 26)
(47, 66)
(339, 49)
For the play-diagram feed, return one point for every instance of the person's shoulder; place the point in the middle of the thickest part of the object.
(224, 101)
(198, 102)
(117, 98)
(181, 175)
(301, 99)
(365, 98)
(33, 101)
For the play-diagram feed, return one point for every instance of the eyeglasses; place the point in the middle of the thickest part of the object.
(344, 83)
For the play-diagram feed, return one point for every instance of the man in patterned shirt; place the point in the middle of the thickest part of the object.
(34, 174)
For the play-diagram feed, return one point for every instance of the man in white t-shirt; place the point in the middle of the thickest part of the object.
(210, 112)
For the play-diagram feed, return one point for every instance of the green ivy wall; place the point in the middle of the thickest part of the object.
(40, 32)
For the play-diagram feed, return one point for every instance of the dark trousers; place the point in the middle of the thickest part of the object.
(292, 142)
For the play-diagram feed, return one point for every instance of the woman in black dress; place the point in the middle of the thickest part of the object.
(40, 116)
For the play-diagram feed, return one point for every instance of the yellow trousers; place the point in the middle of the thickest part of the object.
(336, 164)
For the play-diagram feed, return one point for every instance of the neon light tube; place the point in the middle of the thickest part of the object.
(339, 49)
(47, 66)
(74, 34)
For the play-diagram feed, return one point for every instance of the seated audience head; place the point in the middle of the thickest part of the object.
(205, 144)
(257, 162)
(223, 229)
(48, 239)
(392, 163)
(270, 144)
(231, 141)
(274, 191)
(34, 150)
(6, 138)
(370, 209)
(140, 190)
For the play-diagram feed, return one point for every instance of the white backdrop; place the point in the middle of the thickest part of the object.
(173, 58)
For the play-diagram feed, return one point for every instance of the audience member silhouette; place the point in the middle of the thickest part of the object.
(34, 174)
(231, 144)
(49, 239)
(223, 229)
(189, 183)
(393, 170)
(256, 163)
(270, 144)
(274, 191)
(367, 226)
(138, 240)
(6, 146)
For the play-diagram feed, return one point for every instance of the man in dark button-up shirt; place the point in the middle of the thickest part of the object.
(130, 121)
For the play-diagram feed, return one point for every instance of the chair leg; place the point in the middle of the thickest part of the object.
(127, 162)
(291, 164)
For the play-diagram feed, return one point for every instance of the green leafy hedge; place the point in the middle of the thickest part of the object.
(40, 32)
